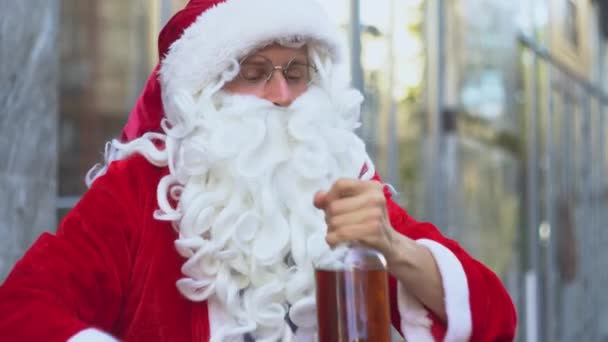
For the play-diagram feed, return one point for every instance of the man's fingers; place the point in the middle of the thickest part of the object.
(345, 187)
(369, 215)
(344, 235)
(349, 194)
(363, 232)
(349, 204)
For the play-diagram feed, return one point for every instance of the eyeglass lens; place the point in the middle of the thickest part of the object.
(260, 69)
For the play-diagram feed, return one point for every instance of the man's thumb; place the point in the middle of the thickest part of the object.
(319, 199)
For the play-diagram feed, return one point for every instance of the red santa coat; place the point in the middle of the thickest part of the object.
(113, 267)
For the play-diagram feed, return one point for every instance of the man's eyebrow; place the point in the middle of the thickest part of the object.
(300, 59)
(255, 62)
(256, 56)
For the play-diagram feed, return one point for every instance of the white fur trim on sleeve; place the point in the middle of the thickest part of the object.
(92, 335)
(415, 323)
(456, 290)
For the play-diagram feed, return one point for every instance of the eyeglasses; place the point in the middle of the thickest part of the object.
(257, 70)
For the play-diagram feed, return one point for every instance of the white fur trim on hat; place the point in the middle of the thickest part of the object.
(234, 28)
(414, 317)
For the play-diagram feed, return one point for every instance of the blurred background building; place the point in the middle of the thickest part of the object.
(487, 116)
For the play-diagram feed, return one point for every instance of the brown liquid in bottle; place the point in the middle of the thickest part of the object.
(353, 305)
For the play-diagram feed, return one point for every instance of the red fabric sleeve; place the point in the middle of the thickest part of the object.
(74, 280)
(492, 310)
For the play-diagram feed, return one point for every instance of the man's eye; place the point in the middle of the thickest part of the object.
(253, 72)
(297, 72)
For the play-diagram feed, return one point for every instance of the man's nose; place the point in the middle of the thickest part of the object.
(277, 90)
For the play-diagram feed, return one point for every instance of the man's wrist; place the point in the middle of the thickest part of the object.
(402, 254)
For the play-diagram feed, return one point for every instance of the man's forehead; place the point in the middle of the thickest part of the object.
(277, 50)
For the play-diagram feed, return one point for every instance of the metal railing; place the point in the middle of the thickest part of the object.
(566, 201)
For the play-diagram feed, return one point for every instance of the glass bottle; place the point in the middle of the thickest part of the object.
(353, 299)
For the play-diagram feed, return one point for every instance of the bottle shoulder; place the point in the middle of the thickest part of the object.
(360, 257)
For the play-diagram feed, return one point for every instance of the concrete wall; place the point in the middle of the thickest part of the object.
(28, 124)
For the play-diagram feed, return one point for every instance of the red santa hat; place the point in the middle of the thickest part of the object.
(201, 41)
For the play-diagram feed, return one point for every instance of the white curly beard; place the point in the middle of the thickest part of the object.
(244, 173)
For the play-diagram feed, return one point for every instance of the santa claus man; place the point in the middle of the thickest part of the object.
(239, 170)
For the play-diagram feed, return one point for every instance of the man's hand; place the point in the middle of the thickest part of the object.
(355, 211)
